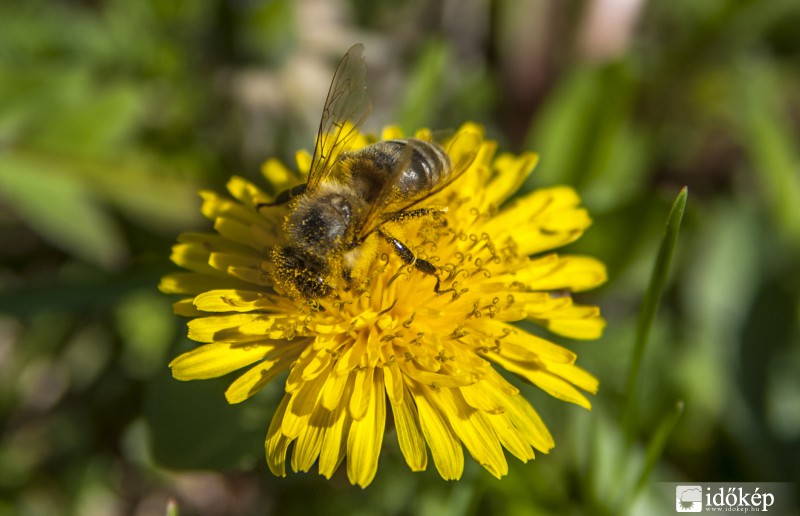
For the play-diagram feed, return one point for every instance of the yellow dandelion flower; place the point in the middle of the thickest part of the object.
(389, 333)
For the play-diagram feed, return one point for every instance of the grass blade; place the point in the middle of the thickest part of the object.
(649, 306)
(653, 453)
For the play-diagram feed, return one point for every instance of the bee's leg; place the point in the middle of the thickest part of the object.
(409, 258)
(283, 197)
(348, 279)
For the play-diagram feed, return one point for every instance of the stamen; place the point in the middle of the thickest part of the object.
(459, 332)
(389, 308)
(340, 304)
(400, 272)
(457, 293)
(391, 336)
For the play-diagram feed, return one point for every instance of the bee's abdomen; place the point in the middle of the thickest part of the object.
(410, 167)
(425, 165)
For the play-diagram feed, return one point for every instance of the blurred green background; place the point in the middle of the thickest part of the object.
(114, 113)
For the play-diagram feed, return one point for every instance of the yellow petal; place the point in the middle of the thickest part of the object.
(334, 390)
(575, 375)
(215, 206)
(391, 132)
(319, 362)
(366, 435)
(517, 344)
(536, 373)
(567, 319)
(237, 231)
(409, 432)
(246, 192)
(277, 175)
(193, 251)
(465, 151)
(424, 134)
(276, 444)
(225, 327)
(229, 300)
(525, 418)
(334, 448)
(295, 380)
(243, 268)
(575, 273)
(446, 380)
(225, 261)
(474, 430)
(352, 357)
(525, 421)
(268, 236)
(588, 329)
(448, 457)
(394, 383)
(542, 220)
(192, 257)
(556, 387)
(213, 360)
(309, 441)
(301, 405)
(303, 159)
(258, 376)
(511, 438)
(476, 396)
(508, 175)
(186, 308)
(362, 391)
(194, 283)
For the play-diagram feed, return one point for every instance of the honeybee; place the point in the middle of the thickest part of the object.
(350, 196)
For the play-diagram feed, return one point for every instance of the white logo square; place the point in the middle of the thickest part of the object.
(689, 498)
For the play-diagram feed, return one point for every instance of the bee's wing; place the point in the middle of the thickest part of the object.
(462, 150)
(386, 202)
(346, 108)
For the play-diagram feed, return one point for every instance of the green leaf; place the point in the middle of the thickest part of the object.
(146, 326)
(771, 142)
(419, 106)
(64, 110)
(94, 121)
(649, 306)
(61, 209)
(144, 192)
(586, 138)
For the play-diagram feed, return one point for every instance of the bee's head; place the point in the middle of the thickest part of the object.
(298, 275)
(320, 223)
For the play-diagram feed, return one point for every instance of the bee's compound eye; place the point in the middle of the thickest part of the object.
(311, 284)
(318, 288)
(287, 258)
(293, 270)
